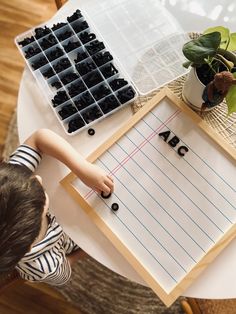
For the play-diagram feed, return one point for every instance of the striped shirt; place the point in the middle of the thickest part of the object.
(46, 261)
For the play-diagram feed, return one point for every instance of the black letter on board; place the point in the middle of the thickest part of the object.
(164, 135)
(174, 141)
(181, 149)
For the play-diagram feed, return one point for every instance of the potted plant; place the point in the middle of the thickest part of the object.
(213, 74)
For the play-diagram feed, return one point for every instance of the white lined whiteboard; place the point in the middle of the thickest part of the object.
(172, 210)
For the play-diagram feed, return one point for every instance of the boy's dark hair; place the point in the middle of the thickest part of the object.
(22, 200)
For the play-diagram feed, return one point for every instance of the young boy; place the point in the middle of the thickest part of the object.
(30, 238)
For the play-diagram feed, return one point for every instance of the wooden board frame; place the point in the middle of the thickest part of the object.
(167, 298)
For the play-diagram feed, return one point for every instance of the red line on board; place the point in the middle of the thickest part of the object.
(147, 140)
(143, 143)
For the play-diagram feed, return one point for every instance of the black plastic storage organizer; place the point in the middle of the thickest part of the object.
(78, 75)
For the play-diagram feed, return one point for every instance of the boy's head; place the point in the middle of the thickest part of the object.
(22, 201)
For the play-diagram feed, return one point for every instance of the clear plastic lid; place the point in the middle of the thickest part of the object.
(146, 39)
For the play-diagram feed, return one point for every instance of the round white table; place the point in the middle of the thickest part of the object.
(217, 281)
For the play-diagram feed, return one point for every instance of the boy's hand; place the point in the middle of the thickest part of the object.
(48, 142)
(96, 178)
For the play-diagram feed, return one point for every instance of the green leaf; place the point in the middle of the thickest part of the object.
(232, 43)
(201, 48)
(224, 32)
(231, 98)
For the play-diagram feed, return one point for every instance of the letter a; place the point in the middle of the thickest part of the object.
(164, 135)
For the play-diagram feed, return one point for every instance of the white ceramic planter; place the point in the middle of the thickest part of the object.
(192, 91)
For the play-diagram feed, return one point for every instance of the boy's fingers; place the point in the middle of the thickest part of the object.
(110, 184)
(105, 189)
(109, 180)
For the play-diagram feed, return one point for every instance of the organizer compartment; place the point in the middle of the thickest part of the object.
(76, 71)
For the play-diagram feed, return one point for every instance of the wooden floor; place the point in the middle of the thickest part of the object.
(27, 299)
(17, 16)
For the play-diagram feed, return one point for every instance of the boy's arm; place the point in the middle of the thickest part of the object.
(49, 143)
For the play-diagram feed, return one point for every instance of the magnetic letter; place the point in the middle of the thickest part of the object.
(182, 150)
(174, 141)
(164, 135)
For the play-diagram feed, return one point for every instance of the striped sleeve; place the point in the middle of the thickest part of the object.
(26, 156)
(70, 246)
(46, 261)
(53, 269)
